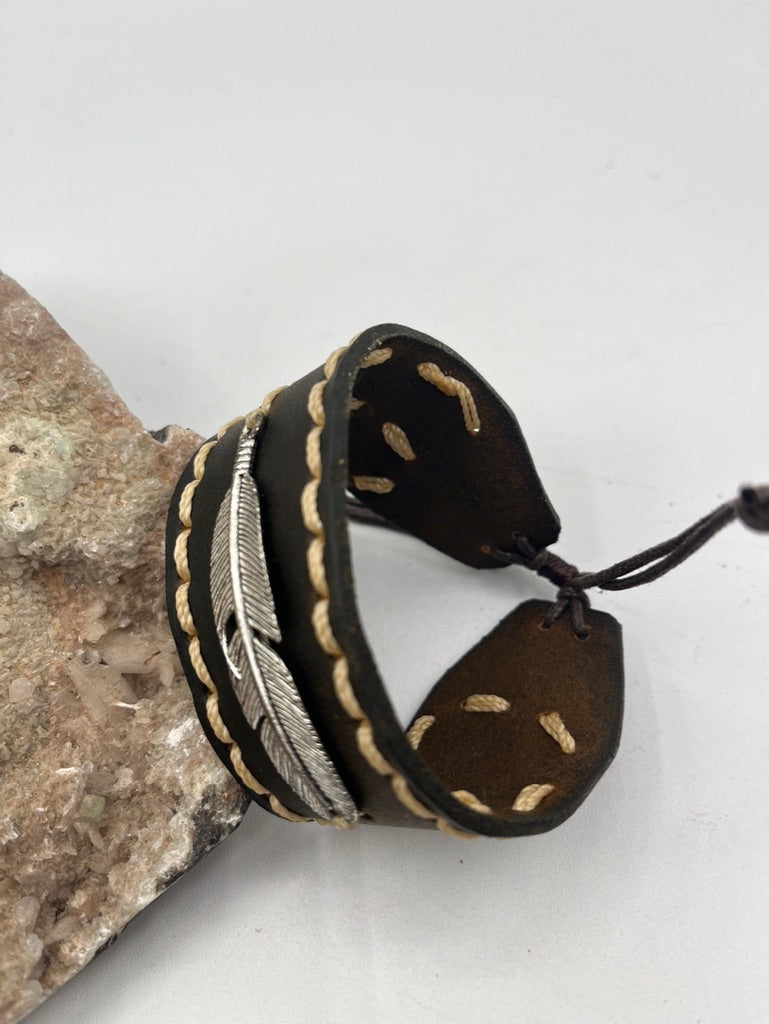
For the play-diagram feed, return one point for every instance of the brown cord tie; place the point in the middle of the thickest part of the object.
(751, 507)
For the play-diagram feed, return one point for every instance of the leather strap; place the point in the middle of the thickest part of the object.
(514, 736)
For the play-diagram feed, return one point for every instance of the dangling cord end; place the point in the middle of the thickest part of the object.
(751, 507)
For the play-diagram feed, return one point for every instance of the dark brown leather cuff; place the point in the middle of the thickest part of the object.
(262, 604)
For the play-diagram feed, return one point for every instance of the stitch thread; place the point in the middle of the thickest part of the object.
(375, 358)
(315, 403)
(316, 567)
(377, 484)
(369, 749)
(471, 800)
(485, 702)
(404, 794)
(418, 729)
(322, 627)
(531, 796)
(395, 437)
(330, 365)
(455, 389)
(309, 504)
(284, 812)
(553, 725)
(198, 664)
(344, 692)
(450, 830)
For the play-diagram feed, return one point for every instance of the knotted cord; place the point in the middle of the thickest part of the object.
(751, 507)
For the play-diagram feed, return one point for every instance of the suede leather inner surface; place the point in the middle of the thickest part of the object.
(537, 671)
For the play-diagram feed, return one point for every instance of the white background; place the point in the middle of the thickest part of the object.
(211, 197)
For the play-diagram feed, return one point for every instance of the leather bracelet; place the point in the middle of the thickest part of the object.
(262, 604)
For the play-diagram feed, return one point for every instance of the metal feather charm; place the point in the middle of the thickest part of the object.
(247, 626)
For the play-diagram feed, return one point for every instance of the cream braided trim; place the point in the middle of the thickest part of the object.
(377, 484)
(471, 800)
(456, 389)
(485, 702)
(320, 618)
(184, 615)
(531, 796)
(553, 725)
(375, 358)
(397, 439)
(418, 729)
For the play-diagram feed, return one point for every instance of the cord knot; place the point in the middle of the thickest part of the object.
(571, 594)
(752, 507)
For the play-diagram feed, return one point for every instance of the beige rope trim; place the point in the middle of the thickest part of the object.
(217, 724)
(312, 448)
(418, 729)
(251, 780)
(230, 423)
(365, 739)
(404, 794)
(315, 403)
(309, 504)
(180, 555)
(485, 702)
(316, 567)
(344, 692)
(185, 502)
(377, 484)
(395, 437)
(471, 800)
(184, 615)
(337, 822)
(323, 632)
(320, 618)
(330, 365)
(553, 725)
(531, 796)
(456, 389)
(199, 665)
(284, 812)
(455, 833)
(375, 358)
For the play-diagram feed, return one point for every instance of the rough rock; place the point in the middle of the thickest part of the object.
(108, 789)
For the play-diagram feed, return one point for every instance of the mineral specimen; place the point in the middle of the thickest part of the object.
(108, 789)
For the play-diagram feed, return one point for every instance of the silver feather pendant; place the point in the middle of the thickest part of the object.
(247, 626)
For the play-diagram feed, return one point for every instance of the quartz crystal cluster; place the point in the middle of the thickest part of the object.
(108, 789)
